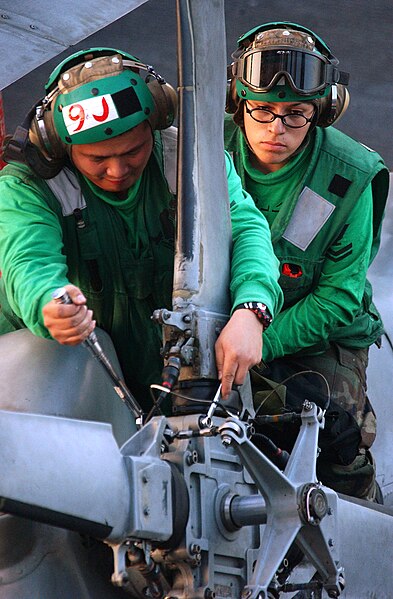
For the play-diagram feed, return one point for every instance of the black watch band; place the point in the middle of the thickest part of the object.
(260, 310)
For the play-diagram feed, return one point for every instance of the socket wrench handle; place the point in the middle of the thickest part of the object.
(61, 296)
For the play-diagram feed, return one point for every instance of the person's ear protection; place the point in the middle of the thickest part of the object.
(19, 148)
(37, 141)
(165, 102)
(333, 106)
(232, 99)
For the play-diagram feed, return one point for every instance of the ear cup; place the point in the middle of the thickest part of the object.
(26, 145)
(45, 153)
(43, 167)
(43, 134)
(232, 99)
(165, 101)
(332, 108)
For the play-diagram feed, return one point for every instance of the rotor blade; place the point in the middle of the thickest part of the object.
(34, 36)
(365, 529)
(65, 472)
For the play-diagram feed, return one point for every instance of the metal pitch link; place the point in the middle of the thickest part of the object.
(206, 422)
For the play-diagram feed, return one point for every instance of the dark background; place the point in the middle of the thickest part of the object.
(359, 33)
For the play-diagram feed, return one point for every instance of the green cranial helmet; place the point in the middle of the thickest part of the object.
(97, 94)
(284, 62)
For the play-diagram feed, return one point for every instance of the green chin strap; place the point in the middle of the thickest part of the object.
(279, 93)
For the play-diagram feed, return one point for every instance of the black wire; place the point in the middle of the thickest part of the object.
(292, 376)
(185, 397)
(222, 406)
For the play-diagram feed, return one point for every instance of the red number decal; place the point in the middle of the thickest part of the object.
(76, 113)
(105, 112)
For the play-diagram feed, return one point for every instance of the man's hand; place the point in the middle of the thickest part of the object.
(69, 324)
(238, 348)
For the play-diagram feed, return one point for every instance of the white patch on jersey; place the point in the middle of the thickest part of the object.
(310, 214)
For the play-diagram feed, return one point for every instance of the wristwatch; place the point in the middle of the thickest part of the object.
(260, 310)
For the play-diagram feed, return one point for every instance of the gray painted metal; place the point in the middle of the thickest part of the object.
(201, 285)
(61, 454)
(47, 451)
(379, 373)
(35, 33)
(201, 180)
(364, 542)
(381, 270)
(224, 555)
(284, 495)
(80, 389)
(38, 561)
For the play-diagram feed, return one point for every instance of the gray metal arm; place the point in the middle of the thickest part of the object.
(71, 473)
(296, 504)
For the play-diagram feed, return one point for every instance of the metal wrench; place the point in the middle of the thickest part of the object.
(61, 296)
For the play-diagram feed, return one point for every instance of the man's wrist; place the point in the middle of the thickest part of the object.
(260, 310)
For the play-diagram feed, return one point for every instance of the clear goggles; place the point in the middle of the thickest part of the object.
(306, 73)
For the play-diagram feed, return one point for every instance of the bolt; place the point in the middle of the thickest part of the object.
(186, 318)
(32, 26)
(226, 441)
(209, 594)
(317, 504)
(192, 457)
(195, 548)
(145, 478)
(341, 581)
(331, 543)
(166, 315)
(307, 405)
(3, 16)
(333, 593)
(146, 511)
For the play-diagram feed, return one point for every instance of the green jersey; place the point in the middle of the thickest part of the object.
(118, 252)
(325, 209)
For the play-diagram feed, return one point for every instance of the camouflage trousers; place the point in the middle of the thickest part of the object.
(336, 381)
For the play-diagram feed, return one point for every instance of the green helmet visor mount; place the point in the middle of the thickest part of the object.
(306, 73)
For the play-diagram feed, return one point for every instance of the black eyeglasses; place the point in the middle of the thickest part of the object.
(292, 119)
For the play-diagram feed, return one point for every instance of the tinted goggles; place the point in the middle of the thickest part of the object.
(306, 72)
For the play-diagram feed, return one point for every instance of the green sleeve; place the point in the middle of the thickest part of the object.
(254, 266)
(31, 258)
(337, 297)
